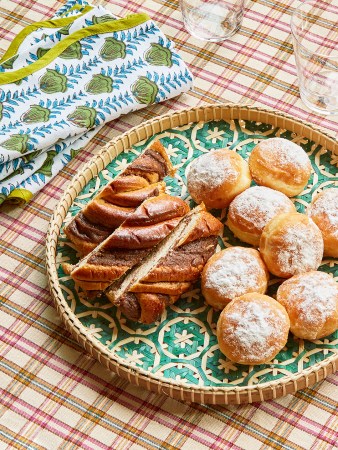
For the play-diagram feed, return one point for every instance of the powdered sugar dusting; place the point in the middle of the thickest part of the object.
(326, 205)
(258, 205)
(237, 272)
(287, 154)
(315, 297)
(211, 170)
(287, 151)
(303, 249)
(255, 329)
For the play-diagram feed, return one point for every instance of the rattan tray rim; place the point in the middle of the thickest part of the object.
(177, 389)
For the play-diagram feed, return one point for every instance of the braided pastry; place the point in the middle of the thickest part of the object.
(169, 271)
(142, 179)
(129, 244)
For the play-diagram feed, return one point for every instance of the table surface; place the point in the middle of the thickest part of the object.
(53, 395)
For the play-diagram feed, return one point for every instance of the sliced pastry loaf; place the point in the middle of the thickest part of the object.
(149, 224)
(169, 271)
(142, 179)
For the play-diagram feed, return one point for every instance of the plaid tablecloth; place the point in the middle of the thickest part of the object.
(55, 396)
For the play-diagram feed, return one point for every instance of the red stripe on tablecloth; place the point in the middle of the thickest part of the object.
(294, 418)
(238, 423)
(48, 11)
(55, 363)
(277, 24)
(20, 228)
(47, 359)
(21, 282)
(5, 34)
(47, 421)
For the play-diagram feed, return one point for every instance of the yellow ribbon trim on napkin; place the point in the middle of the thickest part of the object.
(54, 23)
(19, 197)
(101, 28)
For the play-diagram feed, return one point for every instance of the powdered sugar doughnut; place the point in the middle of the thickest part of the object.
(252, 329)
(324, 212)
(311, 301)
(215, 178)
(251, 210)
(291, 244)
(280, 164)
(231, 273)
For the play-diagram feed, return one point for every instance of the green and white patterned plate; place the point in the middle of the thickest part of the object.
(182, 348)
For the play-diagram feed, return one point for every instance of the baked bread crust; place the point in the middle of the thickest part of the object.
(170, 270)
(280, 164)
(291, 244)
(252, 329)
(112, 213)
(251, 210)
(153, 305)
(141, 180)
(129, 243)
(311, 301)
(324, 212)
(231, 273)
(215, 178)
(185, 262)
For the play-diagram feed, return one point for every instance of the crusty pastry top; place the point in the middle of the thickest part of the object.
(141, 180)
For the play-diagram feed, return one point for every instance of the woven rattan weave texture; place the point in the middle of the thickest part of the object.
(179, 390)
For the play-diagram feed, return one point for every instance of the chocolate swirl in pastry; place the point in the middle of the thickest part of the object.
(141, 180)
(169, 271)
(129, 244)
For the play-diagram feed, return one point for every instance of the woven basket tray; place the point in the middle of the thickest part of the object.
(180, 357)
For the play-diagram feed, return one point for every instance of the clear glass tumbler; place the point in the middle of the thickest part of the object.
(212, 20)
(314, 26)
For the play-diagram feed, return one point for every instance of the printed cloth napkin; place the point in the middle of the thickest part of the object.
(62, 79)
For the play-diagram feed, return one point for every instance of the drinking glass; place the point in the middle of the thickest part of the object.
(314, 26)
(212, 20)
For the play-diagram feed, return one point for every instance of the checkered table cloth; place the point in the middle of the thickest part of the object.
(55, 396)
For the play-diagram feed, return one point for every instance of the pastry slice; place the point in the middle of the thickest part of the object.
(142, 179)
(149, 224)
(169, 271)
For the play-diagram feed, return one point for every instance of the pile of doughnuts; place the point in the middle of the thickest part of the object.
(253, 327)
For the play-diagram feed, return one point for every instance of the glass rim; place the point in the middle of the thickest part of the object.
(294, 34)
